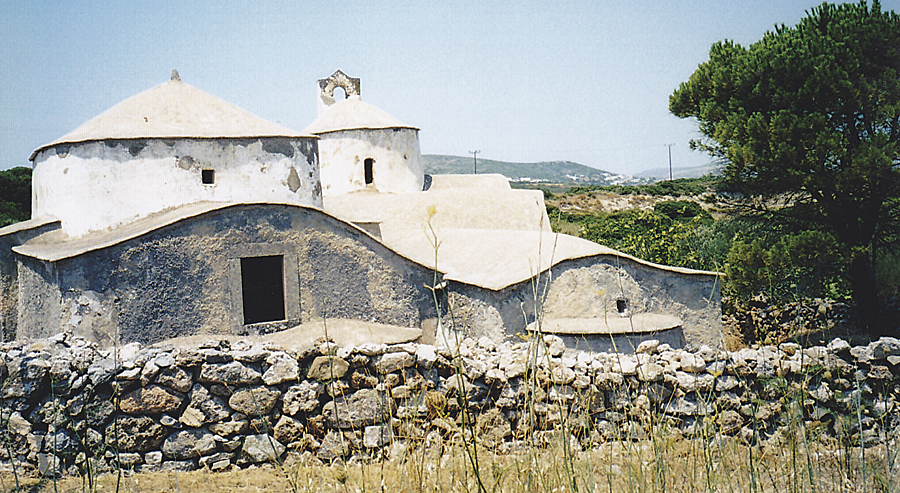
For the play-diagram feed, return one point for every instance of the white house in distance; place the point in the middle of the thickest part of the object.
(175, 213)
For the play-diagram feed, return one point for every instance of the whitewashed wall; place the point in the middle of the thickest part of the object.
(398, 164)
(97, 185)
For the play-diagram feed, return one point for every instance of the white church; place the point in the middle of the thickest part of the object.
(175, 213)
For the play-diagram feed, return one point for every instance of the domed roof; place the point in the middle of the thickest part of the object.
(352, 114)
(173, 110)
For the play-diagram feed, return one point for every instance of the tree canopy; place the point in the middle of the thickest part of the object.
(811, 114)
(15, 195)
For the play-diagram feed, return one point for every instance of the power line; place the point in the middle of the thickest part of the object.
(475, 156)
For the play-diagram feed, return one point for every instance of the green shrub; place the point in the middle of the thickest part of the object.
(647, 235)
(15, 195)
(681, 210)
(795, 265)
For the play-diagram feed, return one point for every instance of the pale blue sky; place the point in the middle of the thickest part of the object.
(518, 80)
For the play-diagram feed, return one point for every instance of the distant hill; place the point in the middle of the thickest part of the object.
(690, 172)
(564, 172)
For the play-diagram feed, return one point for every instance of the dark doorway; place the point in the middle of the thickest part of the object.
(368, 164)
(262, 285)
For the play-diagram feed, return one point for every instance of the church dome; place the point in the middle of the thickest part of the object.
(173, 110)
(352, 114)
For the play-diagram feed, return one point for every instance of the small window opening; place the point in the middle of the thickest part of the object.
(208, 176)
(622, 306)
(262, 286)
(368, 164)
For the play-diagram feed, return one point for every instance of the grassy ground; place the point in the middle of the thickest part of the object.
(662, 463)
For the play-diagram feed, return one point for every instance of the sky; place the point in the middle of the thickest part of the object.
(517, 80)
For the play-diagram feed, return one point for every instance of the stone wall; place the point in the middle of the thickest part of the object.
(212, 405)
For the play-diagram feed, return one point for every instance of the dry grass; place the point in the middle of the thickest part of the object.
(664, 463)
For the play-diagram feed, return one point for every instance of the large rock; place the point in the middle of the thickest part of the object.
(19, 425)
(884, 347)
(233, 373)
(303, 397)
(687, 407)
(254, 402)
(61, 443)
(288, 429)
(174, 377)
(154, 399)
(282, 368)
(135, 434)
(103, 371)
(391, 362)
(189, 444)
(229, 428)
(333, 446)
(562, 375)
(262, 448)
(365, 407)
(204, 408)
(650, 372)
(327, 368)
(377, 436)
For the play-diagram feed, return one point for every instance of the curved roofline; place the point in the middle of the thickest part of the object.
(316, 134)
(353, 113)
(54, 251)
(173, 110)
(118, 139)
(33, 223)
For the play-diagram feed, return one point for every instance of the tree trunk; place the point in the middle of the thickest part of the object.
(865, 294)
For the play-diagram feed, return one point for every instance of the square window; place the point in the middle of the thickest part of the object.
(208, 176)
(262, 288)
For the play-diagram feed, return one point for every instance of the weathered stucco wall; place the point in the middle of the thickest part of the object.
(99, 184)
(185, 279)
(11, 236)
(589, 287)
(397, 160)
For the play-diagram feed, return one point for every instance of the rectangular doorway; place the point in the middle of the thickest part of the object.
(262, 288)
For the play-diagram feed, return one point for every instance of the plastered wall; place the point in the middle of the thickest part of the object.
(97, 185)
(395, 152)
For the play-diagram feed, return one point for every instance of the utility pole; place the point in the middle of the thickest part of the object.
(475, 156)
(670, 160)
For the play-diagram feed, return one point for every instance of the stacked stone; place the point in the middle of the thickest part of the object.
(68, 405)
(760, 318)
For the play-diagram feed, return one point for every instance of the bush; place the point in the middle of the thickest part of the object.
(647, 235)
(805, 264)
(681, 210)
(15, 195)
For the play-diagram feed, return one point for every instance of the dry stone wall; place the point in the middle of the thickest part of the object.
(68, 405)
